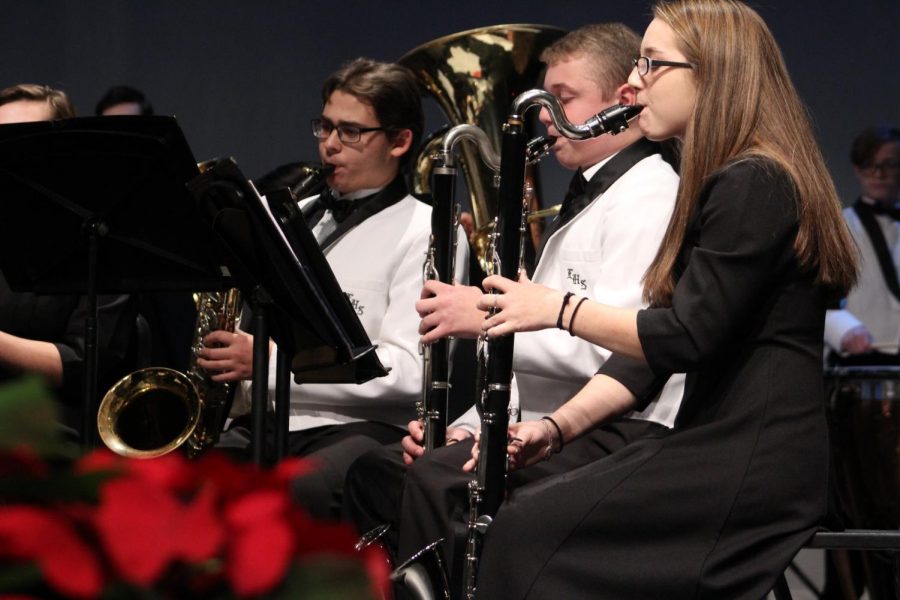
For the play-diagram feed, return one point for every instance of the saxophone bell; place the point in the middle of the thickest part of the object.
(149, 412)
(153, 411)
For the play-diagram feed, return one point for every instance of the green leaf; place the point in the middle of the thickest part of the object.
(325, 578)
(19, 578)
(125, 591)
(29, 416)
(56, 487)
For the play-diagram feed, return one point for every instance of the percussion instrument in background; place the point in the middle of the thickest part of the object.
(864, 421)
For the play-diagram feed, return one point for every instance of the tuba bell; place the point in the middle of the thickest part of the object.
(153, 411)
(474, 75)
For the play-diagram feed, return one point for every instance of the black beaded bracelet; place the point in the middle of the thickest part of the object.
(558, 431)
(574, 311)
(562, 309)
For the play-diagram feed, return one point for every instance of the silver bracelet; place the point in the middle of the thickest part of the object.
(549, 451)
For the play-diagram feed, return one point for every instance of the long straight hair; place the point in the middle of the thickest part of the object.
(748, 106)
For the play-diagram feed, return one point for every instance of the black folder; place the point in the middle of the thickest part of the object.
(125, 175)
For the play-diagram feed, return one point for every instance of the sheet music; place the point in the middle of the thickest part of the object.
(275, 223)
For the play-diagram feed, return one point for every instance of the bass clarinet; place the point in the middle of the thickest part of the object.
(488, 488)
(440, 265)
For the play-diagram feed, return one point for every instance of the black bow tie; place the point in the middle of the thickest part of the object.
(340, 208)
(892, 211)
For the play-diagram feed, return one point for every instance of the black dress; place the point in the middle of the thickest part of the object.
(717, 507)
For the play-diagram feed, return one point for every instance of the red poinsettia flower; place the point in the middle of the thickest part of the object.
(378, 568)
(227, 477)
(170, 471)
(99, 460)
(261, 542)
(289, 469)
(323, 537)
(234, 521)
(198, 532)
(66, 561)
(144, 528)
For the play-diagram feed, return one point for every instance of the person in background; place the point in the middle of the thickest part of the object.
(374, 235)
(45, 334)
(867, 330)
(169, 317)
(123, 100)
(865, 333)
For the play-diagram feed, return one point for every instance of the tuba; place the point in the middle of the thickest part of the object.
(474, 75)
(153, 411)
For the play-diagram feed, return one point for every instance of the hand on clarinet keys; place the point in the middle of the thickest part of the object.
(448, 311)
(530, 442)
(520, 306)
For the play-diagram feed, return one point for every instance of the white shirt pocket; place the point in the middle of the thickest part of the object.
(577, 268)
(369, 300)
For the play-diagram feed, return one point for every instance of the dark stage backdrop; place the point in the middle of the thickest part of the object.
(243, 76)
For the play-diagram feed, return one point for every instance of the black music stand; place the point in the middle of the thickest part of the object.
(279, 265)
(100, 205)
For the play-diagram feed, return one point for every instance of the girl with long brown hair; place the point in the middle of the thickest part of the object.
(718, 506)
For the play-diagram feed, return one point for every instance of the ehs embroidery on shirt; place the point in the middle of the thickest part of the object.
(356, 304)
(573, 276)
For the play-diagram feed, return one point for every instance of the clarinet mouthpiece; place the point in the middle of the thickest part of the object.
(613, 120)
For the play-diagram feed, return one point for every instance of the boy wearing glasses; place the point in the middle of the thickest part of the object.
(375, 236)
(871, 319)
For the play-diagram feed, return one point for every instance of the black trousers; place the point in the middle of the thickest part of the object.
(333, 448)
(429, 500)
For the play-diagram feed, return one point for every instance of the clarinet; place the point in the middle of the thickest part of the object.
(439, 265)
(488, 488)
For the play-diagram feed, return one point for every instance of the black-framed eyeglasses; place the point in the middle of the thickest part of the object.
(644, 65)
(890, 168)
(322, 128)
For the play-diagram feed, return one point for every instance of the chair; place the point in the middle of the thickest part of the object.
(851, 539)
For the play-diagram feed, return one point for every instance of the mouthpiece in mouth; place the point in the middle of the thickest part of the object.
(635, 111)
(614, 119)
